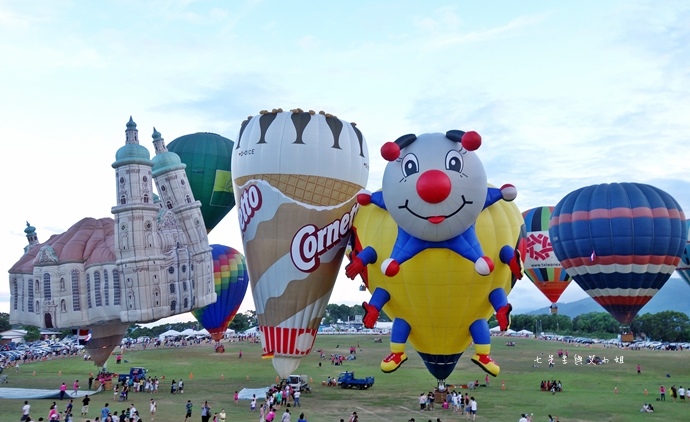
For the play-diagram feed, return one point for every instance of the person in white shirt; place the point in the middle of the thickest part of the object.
(473, 409)
(25, 410)
(153, 407)
(286, 416)
(681, 393)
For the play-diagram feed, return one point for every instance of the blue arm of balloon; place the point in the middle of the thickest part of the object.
(368, 255)
(493, 195)
(498, 298)
(379, 298)
(377, 199)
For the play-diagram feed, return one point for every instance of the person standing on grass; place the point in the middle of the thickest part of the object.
(63, 390)
(205, 412)
(85, 405)
(674, 393)
(473, 408)
(262, 413)
(270, 415)
(296, 396)
(152, 408)
(104, 411)
(188, 410)
(681, 394)
(25, 411)
(132, 413)
(662, 393)
(222, 416)
(286, 416)
(75, 388)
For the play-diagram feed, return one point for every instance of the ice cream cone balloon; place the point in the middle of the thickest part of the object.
(296, 175)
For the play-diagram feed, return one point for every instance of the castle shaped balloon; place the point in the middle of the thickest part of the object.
(153, 260)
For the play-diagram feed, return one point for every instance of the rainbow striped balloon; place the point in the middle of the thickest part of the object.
(231, 281)
(620, 242)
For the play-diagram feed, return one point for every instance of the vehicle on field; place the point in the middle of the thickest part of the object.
(347, 380)
(135, 374)
(299, 383)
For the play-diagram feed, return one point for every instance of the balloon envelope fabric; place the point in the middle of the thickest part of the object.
(208, 160)
(438, 292)
(231, 281)
(620, 242)
(684, 266)
(541, 264)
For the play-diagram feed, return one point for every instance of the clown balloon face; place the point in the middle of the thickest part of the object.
(435, 189)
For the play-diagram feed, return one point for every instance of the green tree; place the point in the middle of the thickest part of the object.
(670, 326)
(241, 322)
(32, 333)
(595, 322)
(4, 321)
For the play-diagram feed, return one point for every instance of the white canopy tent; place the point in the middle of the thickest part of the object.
(496, 330)
(169, 333)
(525, 333)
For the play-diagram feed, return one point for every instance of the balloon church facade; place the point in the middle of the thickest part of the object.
(152, 260)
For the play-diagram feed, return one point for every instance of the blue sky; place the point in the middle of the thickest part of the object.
(565, 94)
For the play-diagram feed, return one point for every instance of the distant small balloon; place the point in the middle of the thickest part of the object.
(541, 264)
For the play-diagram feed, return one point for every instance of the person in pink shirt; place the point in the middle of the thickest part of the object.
(662, 393)
(75, 387)
(63, 390)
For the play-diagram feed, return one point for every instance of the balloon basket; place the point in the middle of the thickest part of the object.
(627, 337)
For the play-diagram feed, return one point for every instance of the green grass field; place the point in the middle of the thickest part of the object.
(588, 389)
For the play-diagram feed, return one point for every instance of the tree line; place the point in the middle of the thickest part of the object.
(668, 326)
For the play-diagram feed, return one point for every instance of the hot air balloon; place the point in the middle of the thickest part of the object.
(296, 175)
(104, 339)
(438, 293)
(620, 242)
(434, 188)
(231, 280)
(684, 266)
(541, 264)
(208, 158)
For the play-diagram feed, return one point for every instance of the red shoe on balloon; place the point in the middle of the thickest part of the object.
(393, 361)
(487, 364)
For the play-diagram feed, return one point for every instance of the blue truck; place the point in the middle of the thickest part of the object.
(347, 380)
(135, 374)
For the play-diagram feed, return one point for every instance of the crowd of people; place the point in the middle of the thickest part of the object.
(552, 385)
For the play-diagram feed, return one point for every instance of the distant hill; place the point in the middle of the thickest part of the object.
(674, 296)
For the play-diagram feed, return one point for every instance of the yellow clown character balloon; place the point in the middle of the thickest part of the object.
(429, 232)
(296, 176)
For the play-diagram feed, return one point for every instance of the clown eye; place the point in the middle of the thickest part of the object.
(410, 165)
(454, 161)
